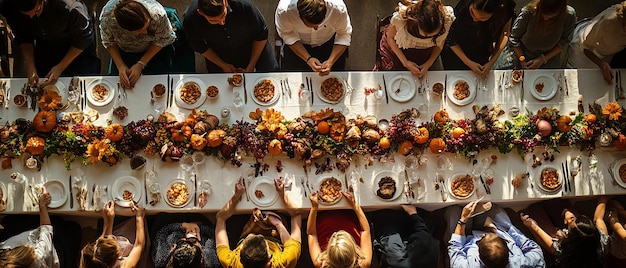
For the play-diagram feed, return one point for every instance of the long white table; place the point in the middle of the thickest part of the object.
(222, 176)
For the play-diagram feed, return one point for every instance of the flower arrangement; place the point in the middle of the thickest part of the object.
(314, 135)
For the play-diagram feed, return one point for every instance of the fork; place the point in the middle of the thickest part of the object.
(303, 186)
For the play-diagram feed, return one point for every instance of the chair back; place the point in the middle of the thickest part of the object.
(380, 27)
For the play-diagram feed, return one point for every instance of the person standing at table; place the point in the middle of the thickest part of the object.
(540, 32)
(493, 242)
(255, 250)
(478, 35)
(403, 239)
(55, 37)
(597, 40)
(415, 36)
(32, 248)
(317, 33)
(339, 238)
(230, 34)
(119, 246)
(137, 33)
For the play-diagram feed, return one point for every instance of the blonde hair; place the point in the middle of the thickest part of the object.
(102, 253)
(341, 252)
(19, 257)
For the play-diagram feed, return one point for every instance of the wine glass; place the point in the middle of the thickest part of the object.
(237, 101)
(443, 163)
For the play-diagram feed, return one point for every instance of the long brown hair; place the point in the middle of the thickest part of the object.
(18, 257)
(103, 253)
(131, 15)
(429, 15)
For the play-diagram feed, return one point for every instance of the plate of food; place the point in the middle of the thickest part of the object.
(126, 191)
(329, 192)
(59, 88)
(549, 179)
(57, 192)
(100, 92)
(177, 194)
(235, 80)
(190, 92)
(461, 185)
(619, 172)
(263, 192)
(388, 183)
(461, 90)
(402, 88)
(265, 92)
(517, 76)
(332, 90)
(544, 87)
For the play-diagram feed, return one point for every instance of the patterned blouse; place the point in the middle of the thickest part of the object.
(160, 31)
(405, 40)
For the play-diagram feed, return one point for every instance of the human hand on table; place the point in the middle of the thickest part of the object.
(315, 202)
(44, 198)
(139, 211)
(533, 64)
(191, 228)
(123, 76)
(229, 68)
(351, 200)
(412, 67)
(409, 209)
(134, 73)
(54, 74)
(423, 71)
(315, 64)
(476, 68)
(33, 77)
(607, 73)
(279, 183)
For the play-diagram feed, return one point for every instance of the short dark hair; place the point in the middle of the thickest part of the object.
(493, 251)
(582, 246)
(27, 5)
(185, 255)
(131, 15)
(312, 11)
(211, 8)
(253, 252)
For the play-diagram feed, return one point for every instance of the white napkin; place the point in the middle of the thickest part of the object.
(97, 196)
(10, 195)
(30, 197)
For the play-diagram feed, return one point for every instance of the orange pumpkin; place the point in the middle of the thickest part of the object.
(275, 147)
(198, 142)
(323, 127)
(437, 145)
(384, 143)
(588, 132)
(177, 135)
(620, 142)
(563, 124)
(441, 116)
(338, 132)
(422, 136)
(35, 145)
(187, 131)
(591, 118)
(216, 137)
(457, 132)
(45, 121)
(405, 147)
(114, 132)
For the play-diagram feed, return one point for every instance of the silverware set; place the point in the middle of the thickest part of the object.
(284, 87)
(309, 87)
(170, 92)
(566, 180)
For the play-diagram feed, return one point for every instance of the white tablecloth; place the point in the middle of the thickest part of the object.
(222, 176)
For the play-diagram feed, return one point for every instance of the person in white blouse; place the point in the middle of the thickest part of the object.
(597, 40)
(317, 33)
(415, 37)
(32, 248)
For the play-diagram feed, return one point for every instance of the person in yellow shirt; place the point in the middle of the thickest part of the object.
(256, 251)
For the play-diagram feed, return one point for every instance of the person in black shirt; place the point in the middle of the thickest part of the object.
(230, 34)
(55, 36)
(404, 239)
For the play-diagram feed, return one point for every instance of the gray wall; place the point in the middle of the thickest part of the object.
(363, 15)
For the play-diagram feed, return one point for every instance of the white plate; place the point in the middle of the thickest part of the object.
(318, 189)
(109, 97)
(449, 186)
(549, 87)
(266, 185)
(538, 178)
(189, 197)
(129, 183)
(471, 82)
(59, 88)
(402, 88)
(57, 192)
(326, 100)
(180, 85)
(276, 92)
(394, 176)
(616, 176)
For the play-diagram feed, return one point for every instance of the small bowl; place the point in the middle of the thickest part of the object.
(212, 92)
(158, 90)
(438, 89)
(19, 100)
(235, 80)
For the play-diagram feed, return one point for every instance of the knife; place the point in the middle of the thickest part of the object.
(487, 188)
(246, 189)
(385, 85)
(145, 188)
(245, 91)
(71, 193)
(303, 186)
(444, 194)
(167, 96)
(310, 86)
(288, 87)
(345, 180)
(93, 194)
(567, 175)
(566, 86)
(445, 89)
(521, 95)
(564, 175)
(195, 190)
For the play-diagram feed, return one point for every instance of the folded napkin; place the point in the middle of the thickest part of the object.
(10, 195)
(31, 202)
(97, 198)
